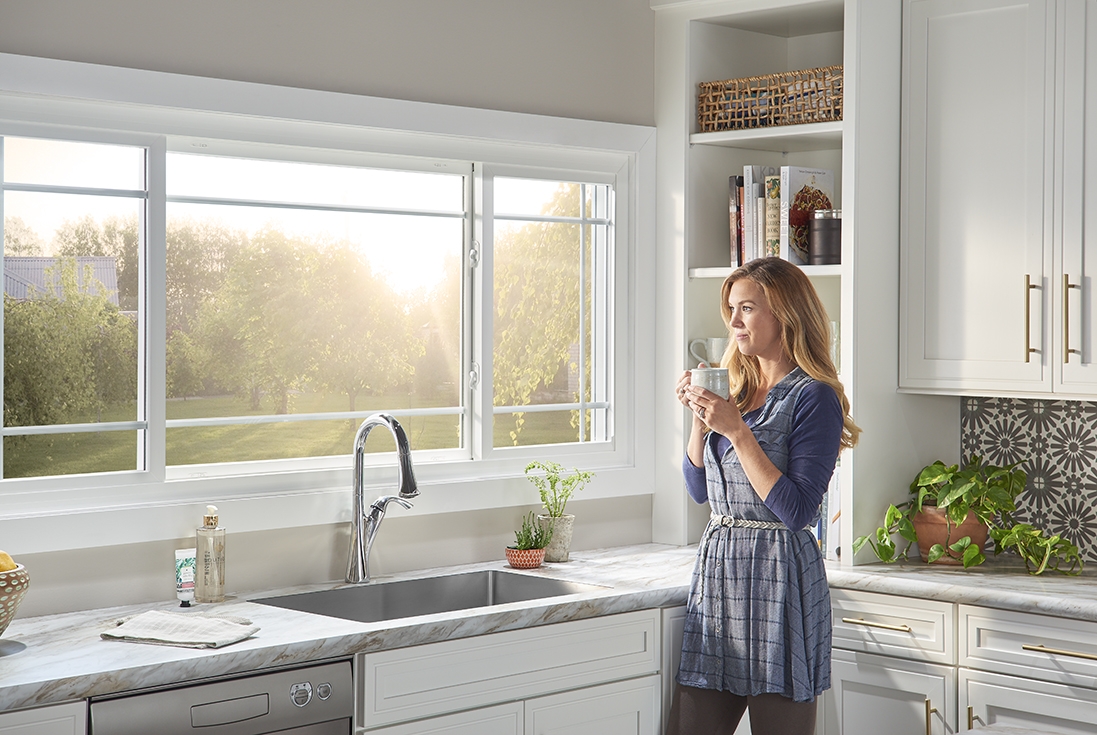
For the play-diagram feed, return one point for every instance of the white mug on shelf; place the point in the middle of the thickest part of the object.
(709, 350)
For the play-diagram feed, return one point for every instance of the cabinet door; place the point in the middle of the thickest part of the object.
(623, 708)
(60, 719)
(995, 699)
(874, 691)
(1076, 335)
(977, 163)
(504, 719)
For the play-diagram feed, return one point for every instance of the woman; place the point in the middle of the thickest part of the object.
(757, 630)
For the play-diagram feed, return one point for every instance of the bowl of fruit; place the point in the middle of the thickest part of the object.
(14, 582)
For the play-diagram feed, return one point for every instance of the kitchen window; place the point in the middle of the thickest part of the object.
(300, 296)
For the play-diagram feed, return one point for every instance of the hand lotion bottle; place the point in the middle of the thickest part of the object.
(210, 543)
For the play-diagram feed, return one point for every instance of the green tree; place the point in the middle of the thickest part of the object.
(116, 238)
(20, 239)
(254, 332)
(365, 341)
(537, 294)
(67, 356)
(198, 257)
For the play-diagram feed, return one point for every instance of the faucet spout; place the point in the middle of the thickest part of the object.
(365, 523)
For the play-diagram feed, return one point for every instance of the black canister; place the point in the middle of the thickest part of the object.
(825, 237)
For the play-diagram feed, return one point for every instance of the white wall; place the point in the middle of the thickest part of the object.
(589, 59)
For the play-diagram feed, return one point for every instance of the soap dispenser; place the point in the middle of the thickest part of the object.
(210, 543)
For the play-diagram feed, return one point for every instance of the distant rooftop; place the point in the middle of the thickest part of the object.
(25, 276)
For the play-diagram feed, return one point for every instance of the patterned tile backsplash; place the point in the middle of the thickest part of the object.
(1056, 443)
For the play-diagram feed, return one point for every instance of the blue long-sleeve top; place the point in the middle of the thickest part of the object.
(813, 445)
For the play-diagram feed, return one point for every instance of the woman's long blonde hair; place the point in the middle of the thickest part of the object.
(805, 334)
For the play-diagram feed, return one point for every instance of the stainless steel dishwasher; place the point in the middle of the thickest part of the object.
(314, 700)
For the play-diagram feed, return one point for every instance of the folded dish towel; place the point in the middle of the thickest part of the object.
(189, 630)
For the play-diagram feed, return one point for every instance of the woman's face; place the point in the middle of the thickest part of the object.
(754, 328)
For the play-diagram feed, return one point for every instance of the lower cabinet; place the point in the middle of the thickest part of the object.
(1012, 701)
(58, 719)
(600, 675)
(909, 696)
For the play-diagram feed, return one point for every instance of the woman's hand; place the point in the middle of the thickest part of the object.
(718, 414)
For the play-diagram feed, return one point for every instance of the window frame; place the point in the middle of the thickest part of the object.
(161, 111)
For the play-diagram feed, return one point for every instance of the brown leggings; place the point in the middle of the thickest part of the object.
(696, 711)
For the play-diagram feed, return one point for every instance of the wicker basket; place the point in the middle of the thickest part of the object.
(787, 98)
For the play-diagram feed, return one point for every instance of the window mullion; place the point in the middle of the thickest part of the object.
(480, 376)
(152, 324)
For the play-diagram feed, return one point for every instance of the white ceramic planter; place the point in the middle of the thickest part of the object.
(560, 546)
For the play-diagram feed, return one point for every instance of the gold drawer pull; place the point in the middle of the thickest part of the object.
(869, 623)
(930, 711)
(1060, 652)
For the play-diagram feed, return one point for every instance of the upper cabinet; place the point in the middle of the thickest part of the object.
(997, 253)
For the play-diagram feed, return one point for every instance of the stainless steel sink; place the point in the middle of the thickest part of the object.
(411, 597)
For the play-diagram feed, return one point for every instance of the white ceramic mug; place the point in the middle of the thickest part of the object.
(709, 350)
(711, 379)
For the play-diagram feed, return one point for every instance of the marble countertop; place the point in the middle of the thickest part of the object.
(57, 658)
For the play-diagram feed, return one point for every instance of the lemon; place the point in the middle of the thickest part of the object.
(6, 562)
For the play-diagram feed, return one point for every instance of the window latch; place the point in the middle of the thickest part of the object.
(474, 376)
(474, 254)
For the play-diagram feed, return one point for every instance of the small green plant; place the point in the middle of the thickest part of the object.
(556, 489)
(532, 535)
(990, 492)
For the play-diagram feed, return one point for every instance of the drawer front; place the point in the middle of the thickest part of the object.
(1025, 644)
(424, 681)
(906, 627)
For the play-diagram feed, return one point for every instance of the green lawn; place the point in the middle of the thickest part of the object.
(65, 454)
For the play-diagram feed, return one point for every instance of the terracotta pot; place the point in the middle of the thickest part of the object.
(933, 527)
(560, 546)
(525, 558)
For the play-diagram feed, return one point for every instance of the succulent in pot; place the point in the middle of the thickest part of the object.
(556, 488)
(530, 541)
(953, 509)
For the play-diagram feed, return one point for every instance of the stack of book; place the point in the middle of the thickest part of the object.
(770, 209)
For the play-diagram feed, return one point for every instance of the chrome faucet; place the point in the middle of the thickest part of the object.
(361, 539)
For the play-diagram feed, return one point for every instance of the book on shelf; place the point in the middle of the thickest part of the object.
(773, 216)
(760, 228)
(753, 179)
(803, 190)
(735, 217)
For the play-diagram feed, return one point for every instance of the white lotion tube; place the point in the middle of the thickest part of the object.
(186, 562)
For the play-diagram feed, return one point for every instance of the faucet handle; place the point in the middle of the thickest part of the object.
(382, 502)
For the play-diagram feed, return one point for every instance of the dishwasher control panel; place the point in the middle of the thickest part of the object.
(249, 705)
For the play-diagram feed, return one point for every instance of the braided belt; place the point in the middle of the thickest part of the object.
(717, 521)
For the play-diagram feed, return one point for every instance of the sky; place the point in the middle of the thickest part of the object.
(409, 250)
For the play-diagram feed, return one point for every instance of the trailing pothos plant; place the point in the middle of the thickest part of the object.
(988, 491)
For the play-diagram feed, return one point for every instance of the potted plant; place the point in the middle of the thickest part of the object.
(556, 490)
(528, 551)
(951, 512)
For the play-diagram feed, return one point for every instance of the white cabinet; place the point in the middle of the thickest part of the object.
(1020, 669)
(894, 662)
(624, 708)
(58, 719)
(456, 686)
(907, 696)
(998, 255)
(1009, 701)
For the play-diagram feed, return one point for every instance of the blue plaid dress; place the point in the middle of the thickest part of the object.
(758, 616)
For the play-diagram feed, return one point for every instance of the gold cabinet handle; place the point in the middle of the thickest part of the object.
(971, 718)
(1067, 285)
(885, 626)
(1060, 652)
(1029, 285)
(930, 711)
